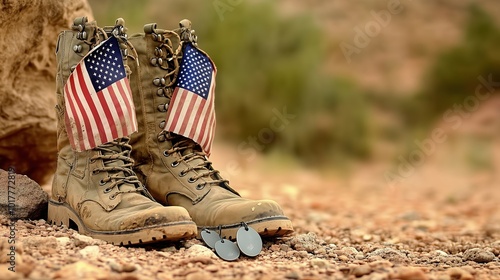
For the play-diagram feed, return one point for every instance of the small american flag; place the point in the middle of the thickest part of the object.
(191, 111)
(99, 106)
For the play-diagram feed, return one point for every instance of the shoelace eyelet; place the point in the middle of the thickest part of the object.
(174, 164)
(182, 174)
(192, 180)
(102, 183)
(166, 154)
(107, 190)
(111, 197)
(200, 186)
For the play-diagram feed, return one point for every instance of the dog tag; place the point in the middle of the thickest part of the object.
(210, 237)
(227, 250)
(249, 241)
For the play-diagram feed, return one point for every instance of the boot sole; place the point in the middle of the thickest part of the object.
(63, 214)
(276, 226)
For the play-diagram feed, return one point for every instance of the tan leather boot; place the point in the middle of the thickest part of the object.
(174, 168)
(96, 190)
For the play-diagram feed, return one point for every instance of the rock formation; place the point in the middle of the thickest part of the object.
(28, 35)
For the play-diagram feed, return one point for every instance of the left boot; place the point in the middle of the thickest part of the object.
(174, 168)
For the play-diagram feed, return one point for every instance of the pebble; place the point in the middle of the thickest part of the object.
(200, 251)
(274, 248)
(320, 263)
(292, 275)
(90, 252)
(83, 240)
(302, 254)
(389, 254)
(361, 270)
(128, 267)
(441, 253)
(82, 270)
(199, 275)
(409, 273)
(348, 251)
(212, 268)
(285, 247)
(63, 241)
(459, 273)
(343, 258)
(305, 242)
(478, 255)
(115, 266)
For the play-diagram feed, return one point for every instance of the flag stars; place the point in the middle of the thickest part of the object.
(103, 65)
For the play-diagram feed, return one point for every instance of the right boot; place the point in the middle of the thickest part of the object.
(96, 190)
(174, 168)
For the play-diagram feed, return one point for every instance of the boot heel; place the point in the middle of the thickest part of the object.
(59, 214)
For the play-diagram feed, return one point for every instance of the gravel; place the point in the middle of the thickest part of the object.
(360, 233)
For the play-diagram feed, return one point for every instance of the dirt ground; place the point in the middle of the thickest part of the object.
(434, 224)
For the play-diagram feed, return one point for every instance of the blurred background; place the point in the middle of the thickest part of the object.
(382, 90)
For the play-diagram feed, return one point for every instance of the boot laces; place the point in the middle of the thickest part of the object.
(118, 164)
(189, 151)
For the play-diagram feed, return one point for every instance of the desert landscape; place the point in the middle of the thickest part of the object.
(390, 168)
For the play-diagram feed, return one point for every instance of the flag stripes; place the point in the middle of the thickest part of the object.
(94, 117)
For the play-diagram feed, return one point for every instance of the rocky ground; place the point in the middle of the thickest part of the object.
(359, 227)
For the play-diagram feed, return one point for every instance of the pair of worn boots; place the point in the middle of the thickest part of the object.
(148, 186)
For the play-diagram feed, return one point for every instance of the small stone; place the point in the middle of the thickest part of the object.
(320, 263)
(63, 241)
(459, 273)
(200, 251)
(320, 251)
(359, 256)
(90, 252)
(212, 268)
(343, 258)
(83, 241)
(409, 273)
(348, 251)
(389, 254)
(29, 199)
(170, 249)
(478, 255)
(197, 259)
(441, 253)
(361, 270)
(292, 275)
(81, 270)
(305, 242)
(302, 254)
(128, 267)
(285, 247)
(199, 275)
(275, 248)
(367, 237)
(115, 266)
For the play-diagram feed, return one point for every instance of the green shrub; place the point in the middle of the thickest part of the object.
(454, 74)
(268, 61)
